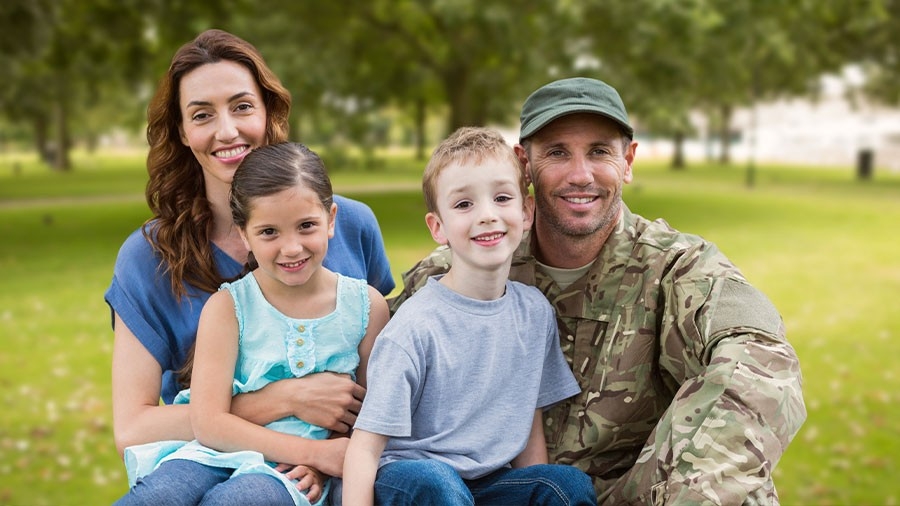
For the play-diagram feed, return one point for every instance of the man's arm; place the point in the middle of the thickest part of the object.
(437, 262)
(739, 404)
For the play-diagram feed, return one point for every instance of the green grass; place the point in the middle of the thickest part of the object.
(823, 246)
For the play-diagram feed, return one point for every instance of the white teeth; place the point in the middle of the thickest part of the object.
(228, 153)
(579, 200)
(489, 237)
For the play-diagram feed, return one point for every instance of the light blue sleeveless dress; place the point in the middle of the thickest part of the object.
(272, 347)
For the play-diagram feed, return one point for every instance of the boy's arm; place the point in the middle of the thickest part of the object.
(360, 467)
(535, 451)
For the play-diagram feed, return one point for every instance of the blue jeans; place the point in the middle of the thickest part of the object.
(184, 482)
(416, 482)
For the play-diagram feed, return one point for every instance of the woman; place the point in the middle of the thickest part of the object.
(217, 102)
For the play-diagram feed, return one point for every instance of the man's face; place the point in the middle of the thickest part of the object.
(578, 165)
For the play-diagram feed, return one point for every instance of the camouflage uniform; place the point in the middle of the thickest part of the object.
(690, 392)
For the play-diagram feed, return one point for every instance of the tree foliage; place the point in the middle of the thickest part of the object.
(71, 68)
(715, 55)
(466, 57)
(79, 52)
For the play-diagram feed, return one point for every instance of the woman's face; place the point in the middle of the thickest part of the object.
(223, 117)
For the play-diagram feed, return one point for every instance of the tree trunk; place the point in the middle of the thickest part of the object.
(725, 135)
(41, 142)
(458, 94)
(62, 161)
(678, 154)
(420, 118)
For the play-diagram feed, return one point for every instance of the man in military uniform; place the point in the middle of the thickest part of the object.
(690, 391)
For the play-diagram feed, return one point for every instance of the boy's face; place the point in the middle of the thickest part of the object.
(481, 213)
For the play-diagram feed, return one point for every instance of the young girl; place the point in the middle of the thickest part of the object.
(288, 317)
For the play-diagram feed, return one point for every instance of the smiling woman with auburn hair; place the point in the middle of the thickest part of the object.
(216, 103)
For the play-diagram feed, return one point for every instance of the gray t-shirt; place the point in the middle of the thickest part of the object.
(457, 380)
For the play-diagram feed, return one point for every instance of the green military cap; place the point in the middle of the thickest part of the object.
(569, 96)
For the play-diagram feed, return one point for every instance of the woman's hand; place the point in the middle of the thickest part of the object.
(325, 399)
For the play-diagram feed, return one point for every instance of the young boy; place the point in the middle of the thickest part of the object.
(460, 375)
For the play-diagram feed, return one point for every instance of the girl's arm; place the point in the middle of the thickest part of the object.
(211, 395)
(364, 452)
(535, 451)
(378, 318)
(325, 399)
(360, 467)
(138, 416)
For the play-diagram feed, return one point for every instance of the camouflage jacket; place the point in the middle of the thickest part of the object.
(690, 392)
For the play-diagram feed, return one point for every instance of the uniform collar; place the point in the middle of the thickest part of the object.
(605, 274)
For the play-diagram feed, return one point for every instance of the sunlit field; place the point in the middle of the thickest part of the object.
(822, 245)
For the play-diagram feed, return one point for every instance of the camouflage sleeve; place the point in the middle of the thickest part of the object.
(738, 406)
(437, 262)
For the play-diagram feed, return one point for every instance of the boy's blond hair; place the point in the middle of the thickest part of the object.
(468, 144)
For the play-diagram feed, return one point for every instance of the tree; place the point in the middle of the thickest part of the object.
(82, 50)
(475, 58)
(872, 43)
(81, 62)
(22, 36)
(764, 50)
(671, 58)
(352, 65)
(645, 49)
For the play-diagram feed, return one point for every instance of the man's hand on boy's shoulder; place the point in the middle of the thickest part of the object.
(437, 262)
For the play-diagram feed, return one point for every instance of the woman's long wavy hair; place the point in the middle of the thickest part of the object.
(182, 220)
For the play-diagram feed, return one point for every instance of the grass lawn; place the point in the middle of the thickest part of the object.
(823, 246)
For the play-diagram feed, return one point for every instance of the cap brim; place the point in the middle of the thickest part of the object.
(544, 119)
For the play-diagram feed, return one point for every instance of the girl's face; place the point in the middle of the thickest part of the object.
(223, 117)
(481, 212)
(288, 234)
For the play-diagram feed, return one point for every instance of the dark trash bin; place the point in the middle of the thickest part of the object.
(864, 163)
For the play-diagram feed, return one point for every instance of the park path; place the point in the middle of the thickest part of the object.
(351, 189)
(69, 201)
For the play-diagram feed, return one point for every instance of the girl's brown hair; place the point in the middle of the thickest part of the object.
(267, 171)
(180, 227)
(273, 169)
